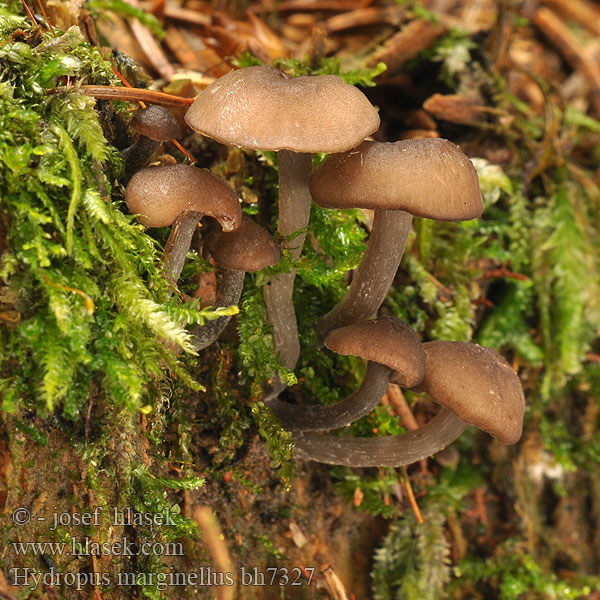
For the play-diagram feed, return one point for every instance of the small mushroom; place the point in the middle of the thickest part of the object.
(155, 125)
(428, 178)
(474, 385)
(261, 108)
(180, 194)
(248, 248)
(389, 345)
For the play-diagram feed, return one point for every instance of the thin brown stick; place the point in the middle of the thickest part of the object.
(504, 272)
(30, 14)
(214, 541)
(108, 92)
(46, 18)
(411, 496)
(401, 408)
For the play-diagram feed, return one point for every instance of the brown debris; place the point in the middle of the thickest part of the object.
(119, 37)
(193, 54)
(152, 49)
(265, 38)
(570, 48)
(420, 119)
(334, 584)
(456, 109)
(586, 13)
(319, 5)
(362, 17)
(413, 38)
(192, 17)
(418, 134)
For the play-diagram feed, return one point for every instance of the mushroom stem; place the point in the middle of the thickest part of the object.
(375, 273)
(228, 294)
(355, 406)
(294, 212)
(392, 451)
(138, 155)
(179, 242)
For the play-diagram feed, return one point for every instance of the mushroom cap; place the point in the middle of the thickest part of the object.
(388, 341)
(478, 385)
(248, 248)
(156, 123)
(428, 178)
(264, 109)
(160, 194)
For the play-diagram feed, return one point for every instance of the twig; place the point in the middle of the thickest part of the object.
(411, 496)
(37, 25)
(401, 408)
(46, 18)
(504, 272)
(334, 584)
(214, 541)
(108, 92)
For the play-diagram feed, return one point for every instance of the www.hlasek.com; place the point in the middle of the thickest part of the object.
(124, 547)
(204, 576)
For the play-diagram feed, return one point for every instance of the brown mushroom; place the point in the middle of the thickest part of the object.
(154, 125)
(428, 178)
(386, 340)
(248, 248)
(180, 194)
(389, 345)
(262, 108)
(475, 385)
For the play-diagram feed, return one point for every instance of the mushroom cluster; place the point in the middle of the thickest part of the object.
(263, 109)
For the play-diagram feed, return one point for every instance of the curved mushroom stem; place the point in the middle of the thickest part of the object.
(294, 212)
(393, 451)
(179, 242)
(138, 155)
(355, 406)
(228, 294)
(375, 273)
